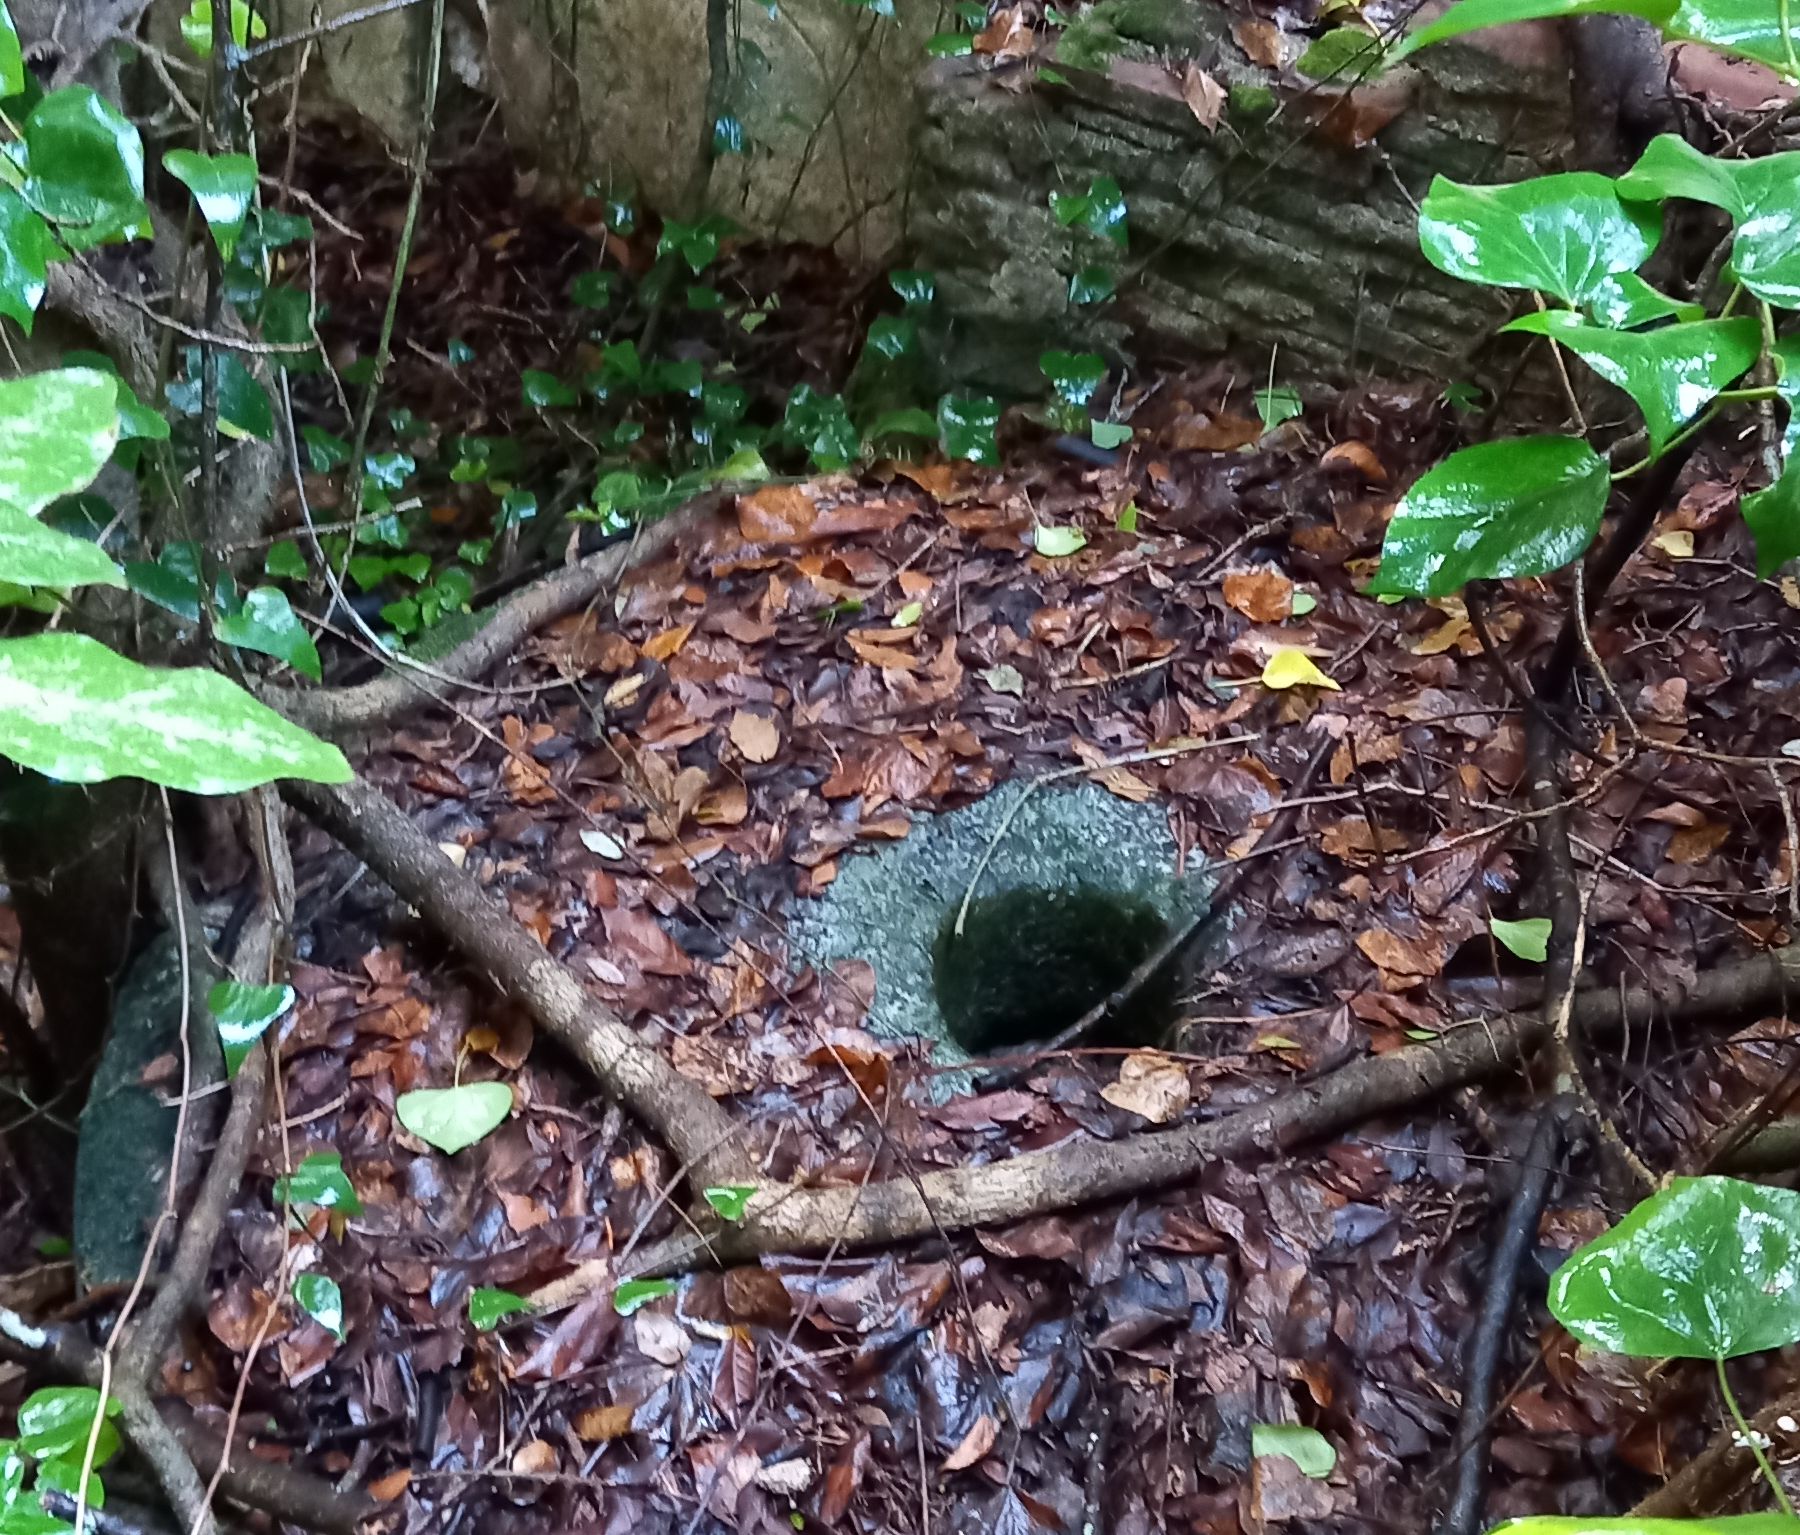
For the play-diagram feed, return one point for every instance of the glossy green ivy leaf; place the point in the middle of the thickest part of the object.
(224, 186)
(1475, 15)
(1307, 1448)
(319, 1181)
(172, 580)
(1758, 29)
(1773, 515)
(697, 244)
(26, 250)
(453, 1118)
(1562, 235)
(62, 1473)
(1759, 195)
(32, 554)
(820, 425)
(320, 1298)
(58, 1419)
(1672, 373)
(1092, 285)
(196, 26)
(1624, 300)
(635, 1294)
(1527, 937)
(1100, 210)
(86, 166)
(12, 59)
(244, 409)
(1707, 1268)
(267, 624)
(243, 1013)
(285, 562)
(966, 427)
(546, 391)
(916, 288)
(1519, 507)
(911, 422)
(325, 450)
(1075, 376)
(80, 713)
(57, 430)
(1626, 1524)
(1276, 406)
(729, 1201)
(488, 1308)
(949, 45)
(893, 336)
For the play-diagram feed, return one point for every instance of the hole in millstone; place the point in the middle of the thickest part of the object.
(1032, 961)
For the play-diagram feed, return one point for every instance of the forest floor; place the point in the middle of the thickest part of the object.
(651, 786)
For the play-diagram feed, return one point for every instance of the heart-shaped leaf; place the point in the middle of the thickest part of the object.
(26, 250)
(1672, 373)
(1307, 1448)
(320, 1298)
(243, 1014)
(1758, 29)
(1058, 542)
(1519, 507)
(59, 1419)
(1074, 375)
(1758, 194)
(1624, 301)
(1708, 1268)
(87, 168)
(452, 1118)
(488, 1308)
(729, 1201)
(635, 1294)
(966, 427)
(57, 430)
(267, 623)
(1562, 235)
(319, 1181)
(224, 186)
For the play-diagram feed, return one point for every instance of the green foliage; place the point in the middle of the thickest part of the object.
(635, 1294)
(243, 1013)
(1277, 405)
(729, 1201)
(12, 59)
(1707, 1268)
(56, 1426)
(319, 1182)
(1476, 15)
(1342, 52)
(966, 427)
(1100, 210)
(1307, 1448)
(1092, 285)
(224, 186)
(454, 1118)
(1520, 507)
(320, 1298)
(1527, 937)
(197, 24)
(85, 169)
(26, 250)
(488, 1308)
(1075, 376)
(819, 424)
(1774, 514)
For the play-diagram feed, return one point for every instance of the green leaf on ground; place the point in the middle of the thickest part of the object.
(1563, 235)
(224, 186)
(78, 712)
(1100, 210)
(911, 422)
(1057, 543)
(1275, 406)
(1527, 937)
(729, 1201)
(1523, 506)
(488, 1308)
(319, 1181)
(893, 336)
(243, 1013)
(635, 1294)
(320, 1298)
(1109, 434)
(1307, 1448)
(949, 45)
(1707, 1268)
(546, 391)
(1343, 55)
(1672, 372)
(453, 1118)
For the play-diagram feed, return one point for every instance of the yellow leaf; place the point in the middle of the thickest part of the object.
(1290, 668)
(1678, 545)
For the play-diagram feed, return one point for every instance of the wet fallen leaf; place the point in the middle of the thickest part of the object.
(1203, 94)
(1262, 596)
(598, 1424)
(1695, 844)
(663, 646)
(1151, 1086)
(1261, 42)
(1005, 679)
(975, 1444)
(1678, 545)
(1396, 955)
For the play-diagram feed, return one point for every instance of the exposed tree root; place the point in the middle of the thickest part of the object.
(695, 1128)
(1713, 1479)
(342, 711)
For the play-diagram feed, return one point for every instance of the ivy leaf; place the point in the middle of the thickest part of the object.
(1092, 285)
(62, 1473)
(57, 430)
(949, 45)
(243, 1013)
(1074, 375)
(1624, 301)
(57, 1420)
(1474, 15)
(267, 623)
(319, 1181)
(635, 1294)
(546, 391)
(285, 562)
(1758, 29)
(224, 186)
(1520, 507)
(1672, 372)
(1307, 1448)
(453, 1118)
(892, 336)
(320, 1298)
(196, 26)
(86, 168)
(26, 250)
(1528, 937)
(244, 409)
(915, 288)
(912, 422)
(78, 712)
(1100, 210)
(1561, 235)
(1276, 406)
(1109, 434)
(1707, 1268)
(1759, 196)
(966, 426)
(488, 1308)
(820, 424)
(729, 1201)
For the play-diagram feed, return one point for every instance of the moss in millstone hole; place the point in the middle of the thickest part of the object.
(1030, 962)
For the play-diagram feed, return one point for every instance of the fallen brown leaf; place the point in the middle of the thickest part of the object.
(1151, 1086)
(755, 735)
